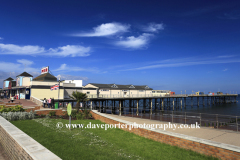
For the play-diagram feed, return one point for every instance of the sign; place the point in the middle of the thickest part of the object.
(69, 109)
(45, 70)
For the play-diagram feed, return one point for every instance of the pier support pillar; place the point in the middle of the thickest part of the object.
(155, 101)
(144, 105)
(129, 107)
(137, 107)
(114, 108)
(105, 108)
(91, 105)
(181, 103)
(151, 106)
(185, 102)
(162, 104)
(120, 109)
(173, 103)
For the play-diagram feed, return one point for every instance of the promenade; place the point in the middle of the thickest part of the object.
(220, 137)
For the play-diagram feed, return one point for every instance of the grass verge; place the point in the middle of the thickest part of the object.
(82, 143)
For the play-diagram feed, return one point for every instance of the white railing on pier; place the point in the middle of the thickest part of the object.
(134, 95)
(151, 95)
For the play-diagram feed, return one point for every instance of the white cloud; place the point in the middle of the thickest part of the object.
(226, 56)
(17, 67)
(1, 38)
(183, 62)
(16, 49)
(66, 68)
(225, 69)
(25, 62)
(107, 29)
(153, 27)
(68, 50)
(134, 42)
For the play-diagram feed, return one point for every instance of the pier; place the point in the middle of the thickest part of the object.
(117, 104)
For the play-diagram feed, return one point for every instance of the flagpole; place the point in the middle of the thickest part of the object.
(58, 90)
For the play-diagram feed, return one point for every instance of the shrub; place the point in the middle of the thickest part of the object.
(16, 108)
(74, 113)
(52, 113)
(13, 116)
(86, 113)
(80, 116)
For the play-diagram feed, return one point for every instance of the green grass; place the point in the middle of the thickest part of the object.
(99, 143)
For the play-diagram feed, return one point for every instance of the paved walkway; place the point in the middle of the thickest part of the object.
(217, 135)
(24, 102)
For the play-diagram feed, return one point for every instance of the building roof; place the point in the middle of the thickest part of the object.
(25, 74)
(9, 79)
(117, 86)
(46, 77)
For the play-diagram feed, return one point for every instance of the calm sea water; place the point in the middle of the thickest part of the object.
(224, 109)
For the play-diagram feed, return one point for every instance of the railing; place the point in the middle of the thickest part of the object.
(36, 100)
(215, 121)
(134, 95)
(149, 95)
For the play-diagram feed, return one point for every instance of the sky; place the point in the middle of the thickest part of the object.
(183, 46)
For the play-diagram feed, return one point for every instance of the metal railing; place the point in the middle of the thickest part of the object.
(215, 121)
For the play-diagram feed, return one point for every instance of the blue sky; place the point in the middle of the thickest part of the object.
(176, 45)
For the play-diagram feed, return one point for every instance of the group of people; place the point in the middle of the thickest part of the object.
(49, 102)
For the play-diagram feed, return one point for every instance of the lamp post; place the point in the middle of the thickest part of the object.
(58, 90)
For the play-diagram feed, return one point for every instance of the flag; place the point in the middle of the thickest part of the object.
(55, 87)
(52, 88)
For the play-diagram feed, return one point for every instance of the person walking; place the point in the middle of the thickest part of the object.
(49, 102)
(44, 102)
(52, 101)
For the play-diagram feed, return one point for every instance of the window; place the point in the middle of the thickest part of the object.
(141, 90)
(146, 87)
(114, 86)
(88, 92)
(153, 91)
(131, 86)
(125, 90)
(104, 90)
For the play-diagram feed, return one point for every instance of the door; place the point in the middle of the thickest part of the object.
(27, 94)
